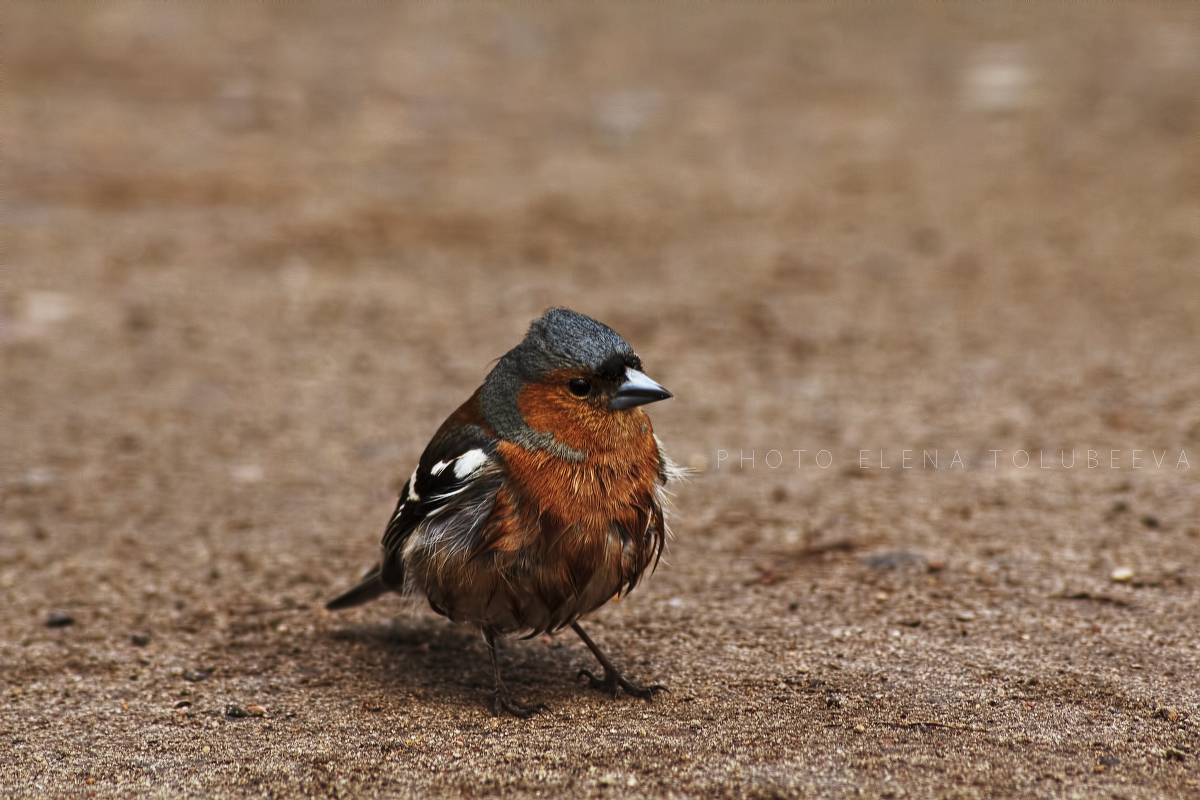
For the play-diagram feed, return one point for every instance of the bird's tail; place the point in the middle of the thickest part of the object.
(370, 587)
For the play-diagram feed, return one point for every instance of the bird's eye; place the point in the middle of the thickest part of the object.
(579, 387)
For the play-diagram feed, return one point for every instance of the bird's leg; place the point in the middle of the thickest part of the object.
(613, 681)
(501, 703)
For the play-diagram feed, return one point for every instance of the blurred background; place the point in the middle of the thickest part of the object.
(254, 255)
(282, 242)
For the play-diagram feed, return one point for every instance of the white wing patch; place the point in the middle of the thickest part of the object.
(437, 468)
(412, 487)
(468, 462)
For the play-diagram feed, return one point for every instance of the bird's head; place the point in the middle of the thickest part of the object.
(573, 384)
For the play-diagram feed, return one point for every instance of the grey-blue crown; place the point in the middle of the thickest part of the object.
(562, 338)
(559, 339)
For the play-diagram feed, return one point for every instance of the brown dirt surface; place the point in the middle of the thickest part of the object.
(254, 254)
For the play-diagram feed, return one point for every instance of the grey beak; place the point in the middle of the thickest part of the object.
(637, 390)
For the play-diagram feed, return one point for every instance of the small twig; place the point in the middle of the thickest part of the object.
(927, 724)
(1099, 598)
(837, 545)
(249, 612)
(769, 575)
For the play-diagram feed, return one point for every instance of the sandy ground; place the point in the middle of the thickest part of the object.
(253, 255)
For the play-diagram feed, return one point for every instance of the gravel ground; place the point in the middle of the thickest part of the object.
(254, 255)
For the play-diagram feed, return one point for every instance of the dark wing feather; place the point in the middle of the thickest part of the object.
(366, 590)
(452, 472)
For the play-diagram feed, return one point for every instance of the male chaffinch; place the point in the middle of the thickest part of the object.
(538, 500)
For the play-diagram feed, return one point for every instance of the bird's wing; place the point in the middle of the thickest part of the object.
(452, 488)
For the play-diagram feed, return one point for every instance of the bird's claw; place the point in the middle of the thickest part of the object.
(501, 703)
(613, 682)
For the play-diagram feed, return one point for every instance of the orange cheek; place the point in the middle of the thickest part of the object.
(577, 422)
(549, 407)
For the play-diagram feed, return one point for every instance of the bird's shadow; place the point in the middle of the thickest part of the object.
(437, 658)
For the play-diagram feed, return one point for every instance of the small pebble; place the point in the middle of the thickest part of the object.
(141, 639)
(257, 710)
(1122, 574)
(965, 616)
(59, 619)
(195, 676)
(1169, 713)
(246, 473)
(237, 712)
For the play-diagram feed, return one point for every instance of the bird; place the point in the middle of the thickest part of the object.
(538, 500)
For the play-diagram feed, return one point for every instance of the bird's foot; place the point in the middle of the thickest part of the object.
(613, 682)
(502, 703)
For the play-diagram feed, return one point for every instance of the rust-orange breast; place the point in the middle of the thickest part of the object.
(567, 511)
